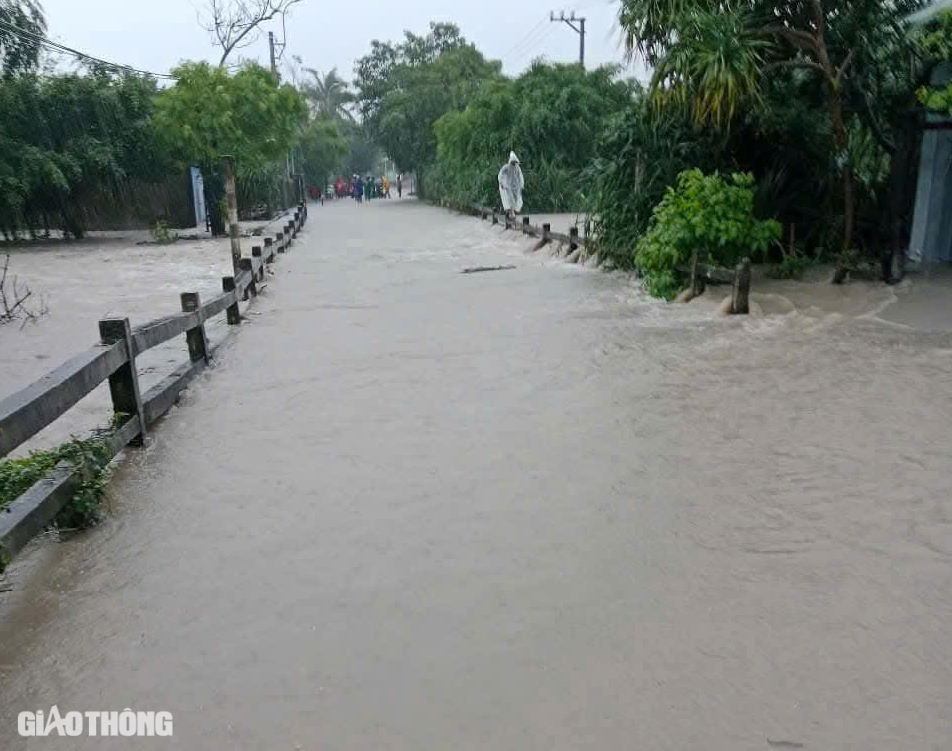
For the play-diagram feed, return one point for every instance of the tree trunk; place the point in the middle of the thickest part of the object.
(842, 147)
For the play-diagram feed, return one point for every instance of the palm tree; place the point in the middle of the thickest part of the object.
(328, 95)
(714, 58)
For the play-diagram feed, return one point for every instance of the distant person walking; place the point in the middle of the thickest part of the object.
(511, 183)
(359, 190)
(399, 186)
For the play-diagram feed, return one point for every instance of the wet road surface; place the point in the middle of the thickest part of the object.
(525, 509)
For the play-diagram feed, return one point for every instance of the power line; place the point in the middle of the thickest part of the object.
(30, 36)
(533, 47)
(524, 39)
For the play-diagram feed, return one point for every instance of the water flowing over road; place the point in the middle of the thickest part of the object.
(527, 509)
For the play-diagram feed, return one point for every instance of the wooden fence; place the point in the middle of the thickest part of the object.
(27, 412)
(577, 250)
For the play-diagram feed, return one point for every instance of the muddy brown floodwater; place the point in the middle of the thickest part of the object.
(525, 509)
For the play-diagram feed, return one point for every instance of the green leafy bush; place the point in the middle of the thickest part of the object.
(640, 154)
(162, 234)
(791, 267)
(705, 212)
(90, 456)
(552, 116)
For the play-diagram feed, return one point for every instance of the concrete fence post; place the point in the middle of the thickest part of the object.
(232, 313)
(195, 337)
(697, 279)
(546, 229)
(740, 292)
(247, 265)
(279, 241)
(124, 383)
(256, 253)
(269, 249)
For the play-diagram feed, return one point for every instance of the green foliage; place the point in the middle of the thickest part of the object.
(90, 456)
(20, 52)
(791, 267)
(934, 42)
(552, 116)
(363, 154)
(706, 213)
(67, 137)
(404, 89)
(328, 95)
(714, 66)
(322, 150)
(640, 154)
(834, 77)
(162, 234)
(210, 112)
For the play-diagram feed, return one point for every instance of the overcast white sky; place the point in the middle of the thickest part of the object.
(156, 34)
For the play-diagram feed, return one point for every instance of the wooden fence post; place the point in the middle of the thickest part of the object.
(740, 293)
(246, 264)
(288, 234)
(256, 253)
(195, 337)
(124, 383)
(228, 164)
(232, 312)
(546, 229)
(573, 238)
(525, 225)
(269, 249)
(495, 218)
(279, 241)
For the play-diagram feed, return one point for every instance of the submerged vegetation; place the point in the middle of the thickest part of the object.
(704, 214)
(89, 456)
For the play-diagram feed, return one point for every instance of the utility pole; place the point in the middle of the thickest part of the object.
(274, 61)
(570, 21)
(277, 78)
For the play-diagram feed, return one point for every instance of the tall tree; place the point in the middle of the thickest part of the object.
(248, 115)
(404, 89)
(718, 58)
(67, 137)
(22, 25)
(328, 94)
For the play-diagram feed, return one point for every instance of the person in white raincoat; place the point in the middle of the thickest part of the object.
(511, 183)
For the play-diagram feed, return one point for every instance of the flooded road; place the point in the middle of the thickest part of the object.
(526, 509)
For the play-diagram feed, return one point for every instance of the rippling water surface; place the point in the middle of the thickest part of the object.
(415, 509)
